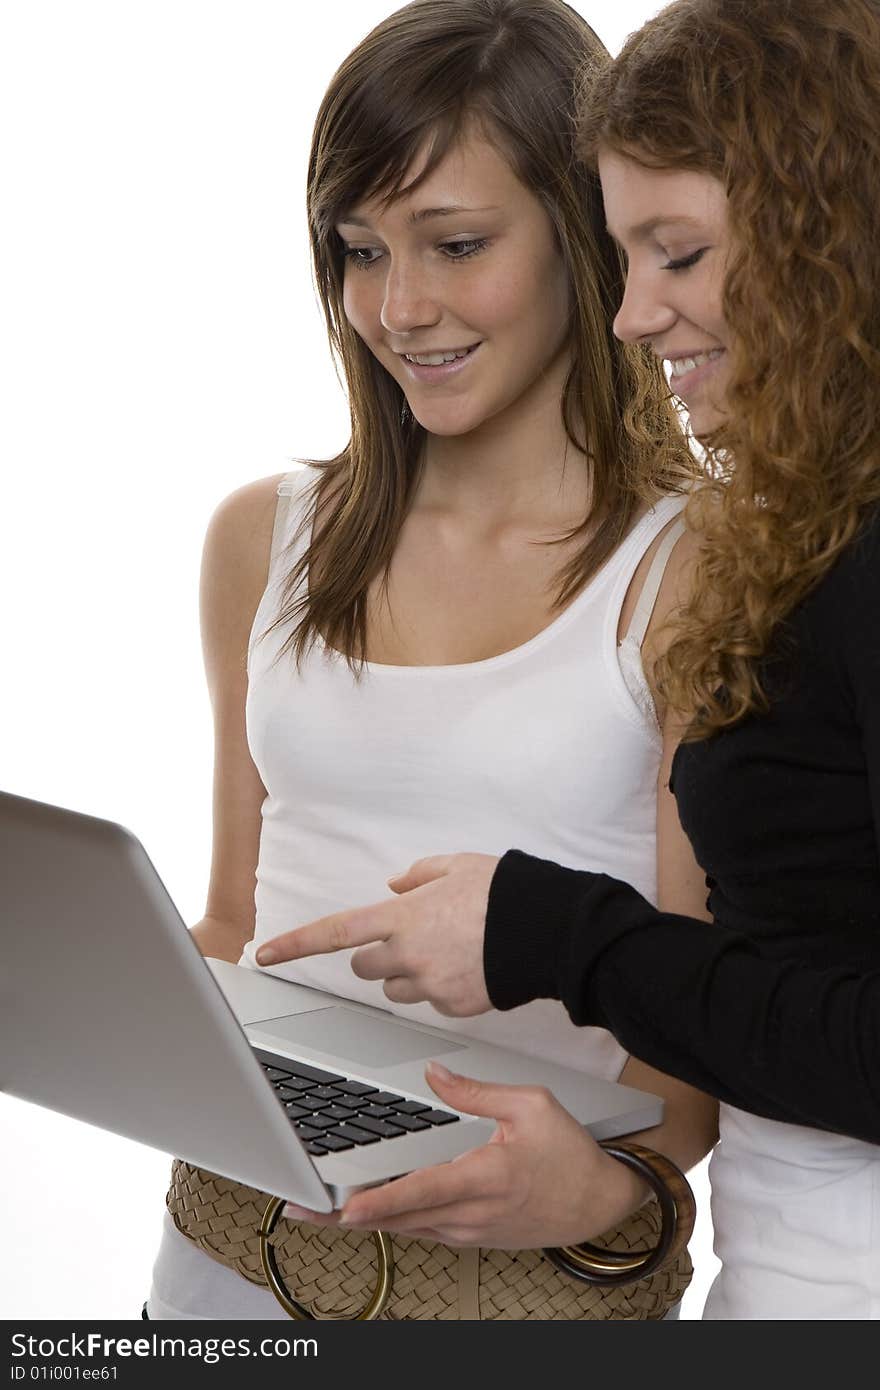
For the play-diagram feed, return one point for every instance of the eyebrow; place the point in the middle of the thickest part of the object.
(643, 229)
(422, 215)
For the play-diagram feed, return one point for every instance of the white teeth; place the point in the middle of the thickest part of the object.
(435, 359)
(680, 365)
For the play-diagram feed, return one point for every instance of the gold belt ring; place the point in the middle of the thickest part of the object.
(374, 1304)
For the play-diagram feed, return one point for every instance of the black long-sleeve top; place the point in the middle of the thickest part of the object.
(775, 1006)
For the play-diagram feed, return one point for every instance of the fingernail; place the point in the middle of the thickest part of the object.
(437, 1070)
(265, 956)
(294, 1213)
(393, 878)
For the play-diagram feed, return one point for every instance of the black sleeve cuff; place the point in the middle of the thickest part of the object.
(527, 922)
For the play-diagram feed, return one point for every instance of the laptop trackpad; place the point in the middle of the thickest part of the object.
(352, 1037)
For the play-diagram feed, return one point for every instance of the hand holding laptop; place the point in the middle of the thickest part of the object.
(426, 944)
(540, 1180)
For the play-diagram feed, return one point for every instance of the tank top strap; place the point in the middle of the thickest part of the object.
(651, 587)
(294, 494)
(629, 648)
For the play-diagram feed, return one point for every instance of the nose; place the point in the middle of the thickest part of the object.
(644, 311)
(408, 302)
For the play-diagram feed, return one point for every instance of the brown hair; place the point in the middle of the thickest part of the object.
(421, 76)
(779, 100)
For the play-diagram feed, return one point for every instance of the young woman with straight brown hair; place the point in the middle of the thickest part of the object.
(439, 633)
(738, 146)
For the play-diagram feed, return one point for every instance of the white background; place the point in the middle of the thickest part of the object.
(160, 345)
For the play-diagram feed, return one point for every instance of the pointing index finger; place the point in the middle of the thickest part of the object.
(339, 932)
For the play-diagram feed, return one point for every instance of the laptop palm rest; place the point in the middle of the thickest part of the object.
(345, 1034)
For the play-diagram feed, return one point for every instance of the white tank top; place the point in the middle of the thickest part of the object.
(552, 747)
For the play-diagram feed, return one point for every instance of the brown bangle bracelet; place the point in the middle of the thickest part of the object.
(678, 1209)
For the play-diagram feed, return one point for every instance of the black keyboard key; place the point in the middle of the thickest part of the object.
(438, 1117)
(384, 1098)
(352, 1103)
(306, 1132)
(315, 1149)
(275, 1073)
(308, 1102)
(289, 1090)
(380, 1127)
(354, 1136)
(411, 1122)
(356, 1088)
(323, 1078)
(332, 1143)
(335, 1112)
(377, 1112)
(295, 1111)
(325, 1092)
(411, 1107)
(320, 1121)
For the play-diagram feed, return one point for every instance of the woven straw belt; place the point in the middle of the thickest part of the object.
(332, 1272)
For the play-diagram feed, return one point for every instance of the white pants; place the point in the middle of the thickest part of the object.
(796, 1215)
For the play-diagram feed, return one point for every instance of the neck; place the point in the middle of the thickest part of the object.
(520, 464)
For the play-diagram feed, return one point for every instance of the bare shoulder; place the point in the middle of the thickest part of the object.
(240, 528)
(235, 571)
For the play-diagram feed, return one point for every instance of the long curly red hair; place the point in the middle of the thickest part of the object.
(780, 101)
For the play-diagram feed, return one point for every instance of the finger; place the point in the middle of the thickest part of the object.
(292, 1212)
(460, 1223)
(401, 990)
(421, 872)
(441, 1186)
(447, 1235)
(495, 1100)
(338, 932)
(378, 961)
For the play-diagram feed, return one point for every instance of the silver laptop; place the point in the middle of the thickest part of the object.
(109, 1013)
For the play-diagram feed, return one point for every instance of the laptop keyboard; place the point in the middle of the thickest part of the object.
(331, 1113)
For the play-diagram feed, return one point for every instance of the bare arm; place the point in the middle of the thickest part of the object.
(235, 564)
(690, 1122)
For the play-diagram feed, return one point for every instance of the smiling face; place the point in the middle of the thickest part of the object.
(672, 226)
(460, 291)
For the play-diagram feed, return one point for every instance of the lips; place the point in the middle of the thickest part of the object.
(437, 357)
(436, 367)
(682, 364)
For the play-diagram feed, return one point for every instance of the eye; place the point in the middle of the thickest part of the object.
(362, 257)
(687, 261)
(462, 249)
